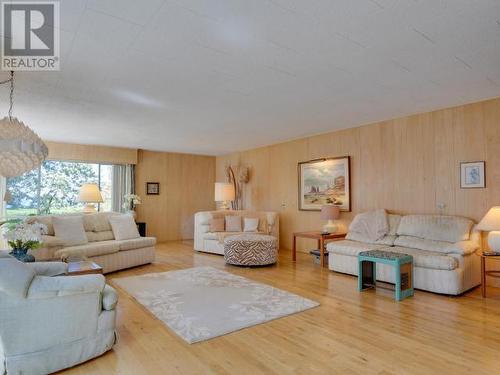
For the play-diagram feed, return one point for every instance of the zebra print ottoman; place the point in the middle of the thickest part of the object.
(250, 250)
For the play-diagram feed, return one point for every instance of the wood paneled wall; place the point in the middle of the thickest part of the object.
(186, 186)
(406, 165)
(91, 153)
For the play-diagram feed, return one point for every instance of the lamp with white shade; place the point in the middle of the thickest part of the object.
(90, 194)
(330, 213)
(491, 223)
(224, 193)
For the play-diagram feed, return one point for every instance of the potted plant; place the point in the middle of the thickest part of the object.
(23, 237)
(130, 202)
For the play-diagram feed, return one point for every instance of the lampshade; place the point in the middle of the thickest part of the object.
(224, 191)
(21, 150)
(491, 221)
(7, 197)
(330, 212)
(89, 193)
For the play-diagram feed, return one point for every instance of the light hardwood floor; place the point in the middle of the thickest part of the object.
(350, 332)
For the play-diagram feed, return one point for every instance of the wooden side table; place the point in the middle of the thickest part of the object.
(320, 237)
(485, 273)
(84, 267)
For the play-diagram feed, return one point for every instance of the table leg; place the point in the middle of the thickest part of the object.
(483, 277)
(322, 251)
(294, 248)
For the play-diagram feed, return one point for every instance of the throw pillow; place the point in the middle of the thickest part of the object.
(124, 227)
(250, 224)
(70, 230)
(216, 224)
(233, 223)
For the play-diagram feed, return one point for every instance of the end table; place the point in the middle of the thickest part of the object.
(321, 238)
(485, 273)
(84, 267)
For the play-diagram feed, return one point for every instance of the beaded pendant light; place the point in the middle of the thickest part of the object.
(21, 149)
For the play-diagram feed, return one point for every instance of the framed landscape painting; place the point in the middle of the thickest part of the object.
(325, 181)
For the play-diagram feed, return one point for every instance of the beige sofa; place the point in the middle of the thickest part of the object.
(213, 242)
(102, 248)
(443, 250)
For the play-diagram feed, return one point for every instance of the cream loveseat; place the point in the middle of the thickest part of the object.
(213, 242)
(51, 323)
(102, 248)
(443, 250)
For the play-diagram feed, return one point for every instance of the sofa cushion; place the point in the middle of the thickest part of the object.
(387, 240)
(106, 235)
(428, 259)
(15, 277)
(89, 250)
(42, 219)
(124, 227)
(352, 248)
(216, 224)
(436, 227)
(250, 224)
(136, 243)
(233, 223)
(372, 225)
(462, 247)
(70, 230)
(52, 241)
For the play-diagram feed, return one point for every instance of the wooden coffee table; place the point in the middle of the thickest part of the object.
(321, 238)
(84, 267)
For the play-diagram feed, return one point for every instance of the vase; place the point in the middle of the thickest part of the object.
(22, 255)
(131, 213)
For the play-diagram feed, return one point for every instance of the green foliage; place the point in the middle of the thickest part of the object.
(59, 185)
(27, 245)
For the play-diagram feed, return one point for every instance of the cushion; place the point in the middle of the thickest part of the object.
(89, 250)
(462, 247)
(70, 230)
(250, 224)
(52, 241)
(109, 298)
(216, 224)
(106, 235)
(373, 225)
(15, 277)
(386, 240)
(136, 243)
(351, 248)
(233, 223)
(124, 227)
(428, 259)
(45, 220)
(436, 227)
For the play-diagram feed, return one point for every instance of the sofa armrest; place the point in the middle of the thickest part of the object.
(49, 268)
(109, 298)
(48, 287)
(463, 247)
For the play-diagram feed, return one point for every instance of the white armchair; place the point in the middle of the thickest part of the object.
(51, 323)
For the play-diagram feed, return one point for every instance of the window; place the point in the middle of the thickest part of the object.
(53, 188)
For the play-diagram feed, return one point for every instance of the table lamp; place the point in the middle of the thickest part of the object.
(330, 212)
(224, 192)
(491, 223)
(90, 194)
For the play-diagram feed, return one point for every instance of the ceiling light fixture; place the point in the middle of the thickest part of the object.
(21, 149)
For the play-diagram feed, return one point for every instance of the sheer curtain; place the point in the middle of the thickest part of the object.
(3, 189)
(123, 183)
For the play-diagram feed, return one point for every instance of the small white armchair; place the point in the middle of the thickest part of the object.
(50, 323)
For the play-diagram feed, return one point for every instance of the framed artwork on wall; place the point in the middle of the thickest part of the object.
(152, 188)
(472, 175)
(325, 181)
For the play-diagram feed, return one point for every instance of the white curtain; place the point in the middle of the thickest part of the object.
(3, 189)
(123, 183)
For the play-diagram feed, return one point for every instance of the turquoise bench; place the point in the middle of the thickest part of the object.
(403, 268)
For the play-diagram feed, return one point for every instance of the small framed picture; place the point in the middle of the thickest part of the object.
(152, 188)
(472, 175)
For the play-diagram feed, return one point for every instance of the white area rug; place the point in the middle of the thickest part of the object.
(202, 303)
